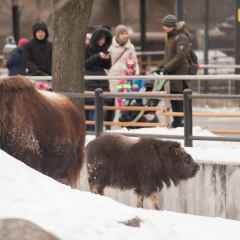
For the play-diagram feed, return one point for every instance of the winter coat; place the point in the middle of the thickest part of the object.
(16, 64)
(176, 58)
(94, 64)
(39, 53)
(120, 65)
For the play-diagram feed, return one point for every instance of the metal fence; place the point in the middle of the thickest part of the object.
(226, 80)
(187, 97)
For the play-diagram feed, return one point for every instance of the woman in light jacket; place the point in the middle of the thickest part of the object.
(123, 55)
(124, 61)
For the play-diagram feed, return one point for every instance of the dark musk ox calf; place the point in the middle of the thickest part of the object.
(42, 129)
(142, 164)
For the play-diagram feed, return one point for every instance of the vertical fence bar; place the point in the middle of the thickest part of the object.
(237, 43)
(229, 87)
(15, 20)
(142, 23)
(206, 34)
(187, 117)
(99, 102)
(180, 10)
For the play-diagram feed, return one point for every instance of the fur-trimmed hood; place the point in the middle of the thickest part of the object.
(97, 35)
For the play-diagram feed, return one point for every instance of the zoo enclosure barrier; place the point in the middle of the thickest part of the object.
(186, 97)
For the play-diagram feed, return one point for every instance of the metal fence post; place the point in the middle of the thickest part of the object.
(99, 102)
(187, 106)
(180, 10)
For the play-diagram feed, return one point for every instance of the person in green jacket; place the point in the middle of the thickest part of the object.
(178, 46)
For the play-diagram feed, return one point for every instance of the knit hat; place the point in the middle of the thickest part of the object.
(169, 21)
(120, 29)
(22, 42)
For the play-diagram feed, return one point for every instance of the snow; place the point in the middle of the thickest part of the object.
(73, 214)
(217, 57)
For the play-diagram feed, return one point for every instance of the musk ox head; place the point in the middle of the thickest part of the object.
(179, 165)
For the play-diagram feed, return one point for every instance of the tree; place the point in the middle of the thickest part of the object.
(70, 20)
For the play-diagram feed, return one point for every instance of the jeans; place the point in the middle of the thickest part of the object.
(177, 106)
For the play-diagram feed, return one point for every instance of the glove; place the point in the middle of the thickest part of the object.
(161, 71)
(153, 102)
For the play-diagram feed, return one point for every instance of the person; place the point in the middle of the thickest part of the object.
(38, 51)
(97, 61)
(16, 63)
(9, 46)
(124, 62)
(178, 48)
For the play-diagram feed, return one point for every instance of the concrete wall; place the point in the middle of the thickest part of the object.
(213, 192)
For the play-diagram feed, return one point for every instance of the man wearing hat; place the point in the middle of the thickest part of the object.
(176, 59)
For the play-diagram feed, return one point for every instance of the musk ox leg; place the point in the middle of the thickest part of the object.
(73, 180)
(140, 198)
(94, 188)
(75, 177)
(153, 200)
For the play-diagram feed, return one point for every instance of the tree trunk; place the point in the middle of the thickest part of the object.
(69, 29)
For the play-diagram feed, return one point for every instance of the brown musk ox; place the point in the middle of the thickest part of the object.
(142, 164)
(45, 130)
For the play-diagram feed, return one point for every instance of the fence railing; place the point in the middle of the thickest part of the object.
(188, 116)
(229, 78)
(186, 97)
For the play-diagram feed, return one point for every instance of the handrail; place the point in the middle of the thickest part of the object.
(166, 113)
(149, 77)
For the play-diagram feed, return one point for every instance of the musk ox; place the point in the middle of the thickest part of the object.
(20, 229)
(142, 164)
(42, 129)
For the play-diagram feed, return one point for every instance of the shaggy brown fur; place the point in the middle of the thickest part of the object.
(142, 164)
(42, 129)
(20, 229)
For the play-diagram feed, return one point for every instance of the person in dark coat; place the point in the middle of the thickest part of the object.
(16, 63)
(97, 61)
(176, 59)
(38, 51)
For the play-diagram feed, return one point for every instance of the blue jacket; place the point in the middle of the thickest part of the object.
(16, 64)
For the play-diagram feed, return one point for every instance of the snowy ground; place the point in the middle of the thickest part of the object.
(218, 58)
(73, 214)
